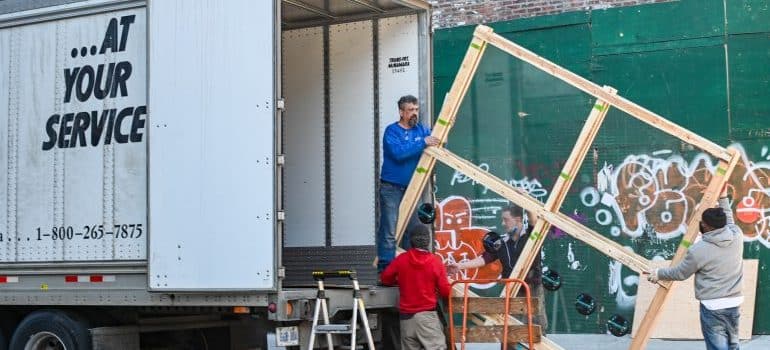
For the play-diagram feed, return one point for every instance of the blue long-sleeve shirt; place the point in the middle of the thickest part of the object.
(401, 150)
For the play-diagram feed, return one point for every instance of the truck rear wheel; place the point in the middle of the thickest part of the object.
(51, 329)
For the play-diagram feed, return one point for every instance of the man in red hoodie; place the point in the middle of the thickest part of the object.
(419, 274)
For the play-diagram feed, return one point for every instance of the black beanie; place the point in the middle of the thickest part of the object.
(420, 237)
(714, 217)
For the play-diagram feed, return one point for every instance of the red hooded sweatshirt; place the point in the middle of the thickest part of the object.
(419, 275)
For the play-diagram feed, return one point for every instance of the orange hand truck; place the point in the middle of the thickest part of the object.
(489, 331)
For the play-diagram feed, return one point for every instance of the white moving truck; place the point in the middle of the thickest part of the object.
(171, 171)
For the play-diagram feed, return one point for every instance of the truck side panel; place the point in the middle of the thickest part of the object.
(74, 182)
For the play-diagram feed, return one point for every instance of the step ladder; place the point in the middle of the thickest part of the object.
(527, 334)
(321, 309)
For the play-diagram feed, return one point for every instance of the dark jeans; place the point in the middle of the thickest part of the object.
(720, 328)
(390, 200)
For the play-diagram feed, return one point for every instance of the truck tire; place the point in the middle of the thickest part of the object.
(46, 329)
(8, 322)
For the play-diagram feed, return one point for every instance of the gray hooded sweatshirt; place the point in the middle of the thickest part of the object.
(716, 260)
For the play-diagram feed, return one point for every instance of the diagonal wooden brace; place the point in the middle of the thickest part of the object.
(721, 175)
(570, 226)
(587, 135)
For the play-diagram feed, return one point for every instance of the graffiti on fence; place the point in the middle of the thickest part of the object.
(660, 190)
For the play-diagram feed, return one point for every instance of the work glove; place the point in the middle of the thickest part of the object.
(653, 276)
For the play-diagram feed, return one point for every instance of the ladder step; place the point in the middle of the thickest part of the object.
(332, 328)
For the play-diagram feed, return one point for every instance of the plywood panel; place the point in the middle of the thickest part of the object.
(683, 309)
(653, 23)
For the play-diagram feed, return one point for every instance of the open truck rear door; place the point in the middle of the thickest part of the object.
(211, 145)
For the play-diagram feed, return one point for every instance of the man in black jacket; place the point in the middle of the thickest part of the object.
(507, 248)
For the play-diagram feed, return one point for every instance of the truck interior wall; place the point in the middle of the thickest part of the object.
(331, 174)
(304, 143)
(351, 133)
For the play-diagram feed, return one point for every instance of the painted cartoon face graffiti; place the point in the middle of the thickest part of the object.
(457, 240)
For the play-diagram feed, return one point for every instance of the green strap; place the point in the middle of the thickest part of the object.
(476, 46)
(685, 243)
(422, 170)
(721, 171)
(442, 122)
(534, 236)
(565, 176)
(598, 107)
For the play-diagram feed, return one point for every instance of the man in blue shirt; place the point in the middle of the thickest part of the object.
(402, 146)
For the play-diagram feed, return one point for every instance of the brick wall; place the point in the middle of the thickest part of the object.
(452, 13)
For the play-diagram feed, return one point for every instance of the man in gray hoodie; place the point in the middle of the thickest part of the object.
(717, 262)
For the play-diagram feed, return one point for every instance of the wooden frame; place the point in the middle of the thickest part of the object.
(549, 212)
(562, 185)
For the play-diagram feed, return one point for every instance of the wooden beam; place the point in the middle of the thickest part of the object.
(564, 222)
(444, 123)
(494, 334)
(560, 189)
(721, 175)
(619, 102)
(494, 306)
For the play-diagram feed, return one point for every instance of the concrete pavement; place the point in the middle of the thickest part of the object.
(609, 342)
